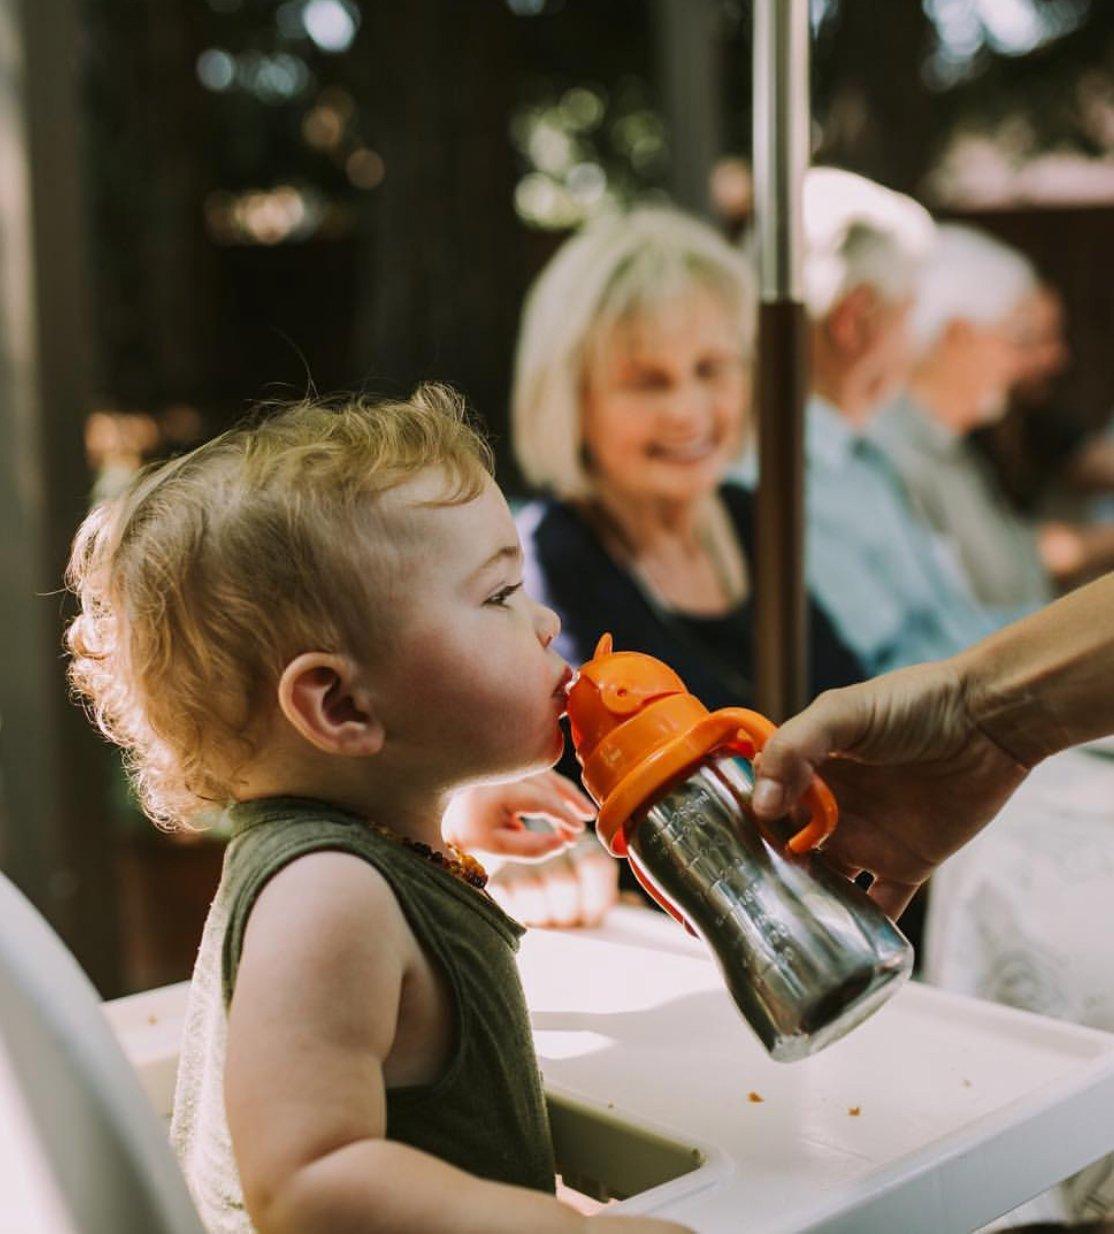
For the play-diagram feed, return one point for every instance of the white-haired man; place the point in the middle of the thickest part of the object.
(969, 327)
(875, 565)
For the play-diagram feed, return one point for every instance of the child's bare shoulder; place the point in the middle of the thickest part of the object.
(326, 916)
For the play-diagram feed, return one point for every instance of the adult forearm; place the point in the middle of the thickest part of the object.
(1047, 682)
(382, 1187)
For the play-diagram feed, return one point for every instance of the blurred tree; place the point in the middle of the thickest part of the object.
(1024, 60)
(875, 113)
(895, 84)
(341, 178)
(54, 822)
(438, 291)
(148, 166)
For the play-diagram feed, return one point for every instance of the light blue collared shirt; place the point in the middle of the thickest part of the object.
(955, 491)
(894, 593)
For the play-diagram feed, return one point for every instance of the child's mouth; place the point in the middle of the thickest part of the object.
(568, 680)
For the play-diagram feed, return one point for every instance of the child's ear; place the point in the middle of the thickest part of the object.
(326, 699)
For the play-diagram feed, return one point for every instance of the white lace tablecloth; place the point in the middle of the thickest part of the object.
(1024, 915)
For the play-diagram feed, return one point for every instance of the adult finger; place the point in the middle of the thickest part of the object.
(892, 897)
(846, 868)
(831, 725)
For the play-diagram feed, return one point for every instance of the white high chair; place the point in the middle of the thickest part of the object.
(102, 1140)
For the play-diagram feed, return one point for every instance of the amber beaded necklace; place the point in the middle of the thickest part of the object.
(460, 864)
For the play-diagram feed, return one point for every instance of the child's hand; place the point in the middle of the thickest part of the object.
(571, 889)
(488, 820)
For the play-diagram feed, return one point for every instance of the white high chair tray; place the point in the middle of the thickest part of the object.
(965, 1109)
(937, 1115)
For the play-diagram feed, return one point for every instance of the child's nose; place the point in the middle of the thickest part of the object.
(548, 625)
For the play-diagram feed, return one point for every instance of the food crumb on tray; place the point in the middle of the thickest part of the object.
(755, 1097)
(855, 1110)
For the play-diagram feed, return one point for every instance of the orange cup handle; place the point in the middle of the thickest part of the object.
(825, 815)
(752, 731)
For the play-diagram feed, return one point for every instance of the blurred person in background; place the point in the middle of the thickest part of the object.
(1078, 544)
(968, 327)
(631, 401)
(895, 594)
(1045, 353)
(1052, 470)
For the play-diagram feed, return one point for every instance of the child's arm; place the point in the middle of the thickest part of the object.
(312, 1020)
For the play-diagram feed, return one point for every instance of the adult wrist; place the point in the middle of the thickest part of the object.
(1007, 705)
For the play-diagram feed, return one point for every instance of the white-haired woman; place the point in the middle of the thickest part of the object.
(631, 397)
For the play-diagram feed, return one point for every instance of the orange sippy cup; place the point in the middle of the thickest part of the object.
(805, 953)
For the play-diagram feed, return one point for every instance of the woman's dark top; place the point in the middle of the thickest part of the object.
(568, 568)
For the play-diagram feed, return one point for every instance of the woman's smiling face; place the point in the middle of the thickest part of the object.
(666, 399)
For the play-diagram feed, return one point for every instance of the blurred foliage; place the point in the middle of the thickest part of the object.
(218, 127)
(897, 84)
(291, 141)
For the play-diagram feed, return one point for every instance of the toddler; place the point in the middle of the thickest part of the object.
(316, 623)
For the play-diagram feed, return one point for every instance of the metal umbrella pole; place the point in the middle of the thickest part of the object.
(781, 152)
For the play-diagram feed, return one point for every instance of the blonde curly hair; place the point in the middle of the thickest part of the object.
(203, 579)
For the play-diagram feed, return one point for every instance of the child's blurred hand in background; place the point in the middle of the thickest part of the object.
(489, 821)
(542, 876)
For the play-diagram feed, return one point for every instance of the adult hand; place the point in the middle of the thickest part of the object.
(915, 777)
(572, 889)
(489, 820)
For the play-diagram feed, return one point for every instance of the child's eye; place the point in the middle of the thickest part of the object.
(500, 598)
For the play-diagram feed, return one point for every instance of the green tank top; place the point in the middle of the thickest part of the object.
(486, 1114)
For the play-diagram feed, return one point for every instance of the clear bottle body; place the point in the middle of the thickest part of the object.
(805, 953)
